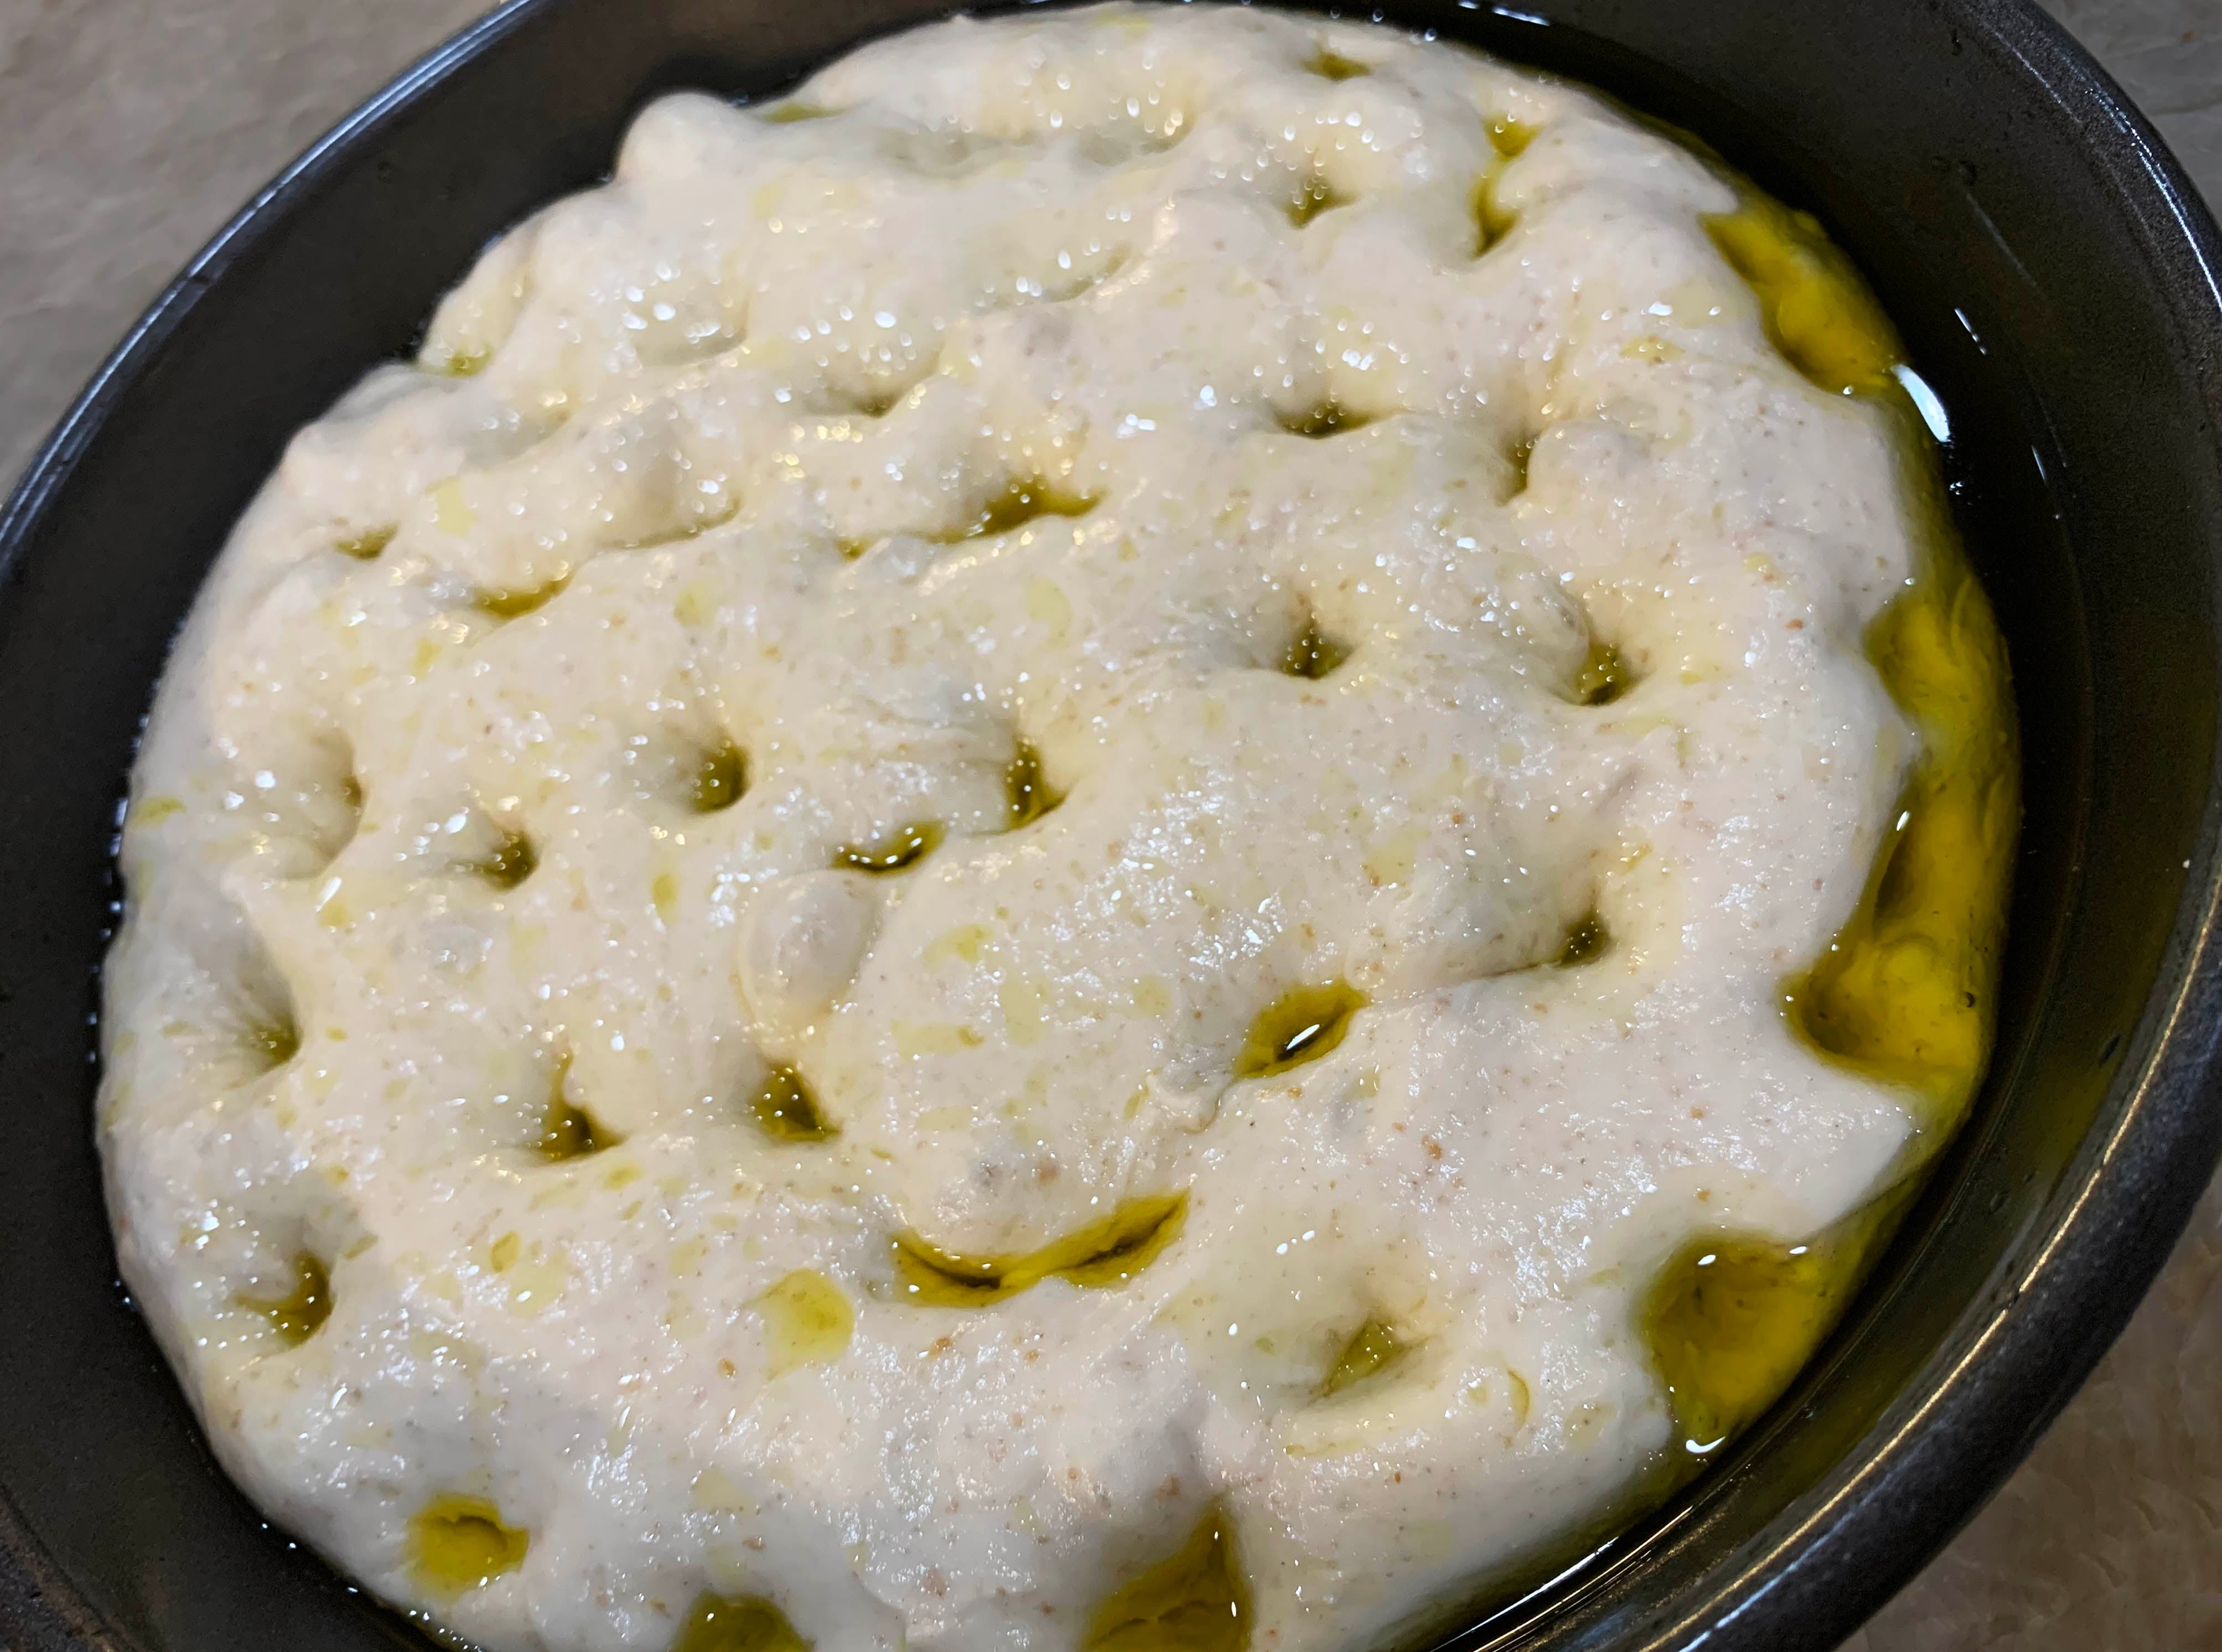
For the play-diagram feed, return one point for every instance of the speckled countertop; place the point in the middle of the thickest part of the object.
(129, 130)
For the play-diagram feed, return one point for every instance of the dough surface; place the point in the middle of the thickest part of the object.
(1290, 520)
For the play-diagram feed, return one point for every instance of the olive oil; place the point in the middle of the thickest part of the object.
(1312, 197)
(509, 863)
(1022, 500)
(807, 1321)
(1586, 942)
(275, 1042)
(1103, 1254)
(364, 546)
(1312, 654)
(1328, 418)
(1373, 1348)
(1302, 1025)
(718, 779)
(460, 1543)
(512, 602)
(1028, 796)
(565, 1131)
(1906, 994)
(1604, 676)
(744, 1623)
(905, 846)
(786, 1110)
(300, 1314)
(1493, 223)
(1194, 1600)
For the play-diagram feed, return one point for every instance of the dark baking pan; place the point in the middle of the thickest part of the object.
(2054, 276)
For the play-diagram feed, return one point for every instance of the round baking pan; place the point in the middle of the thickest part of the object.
(2055, 279)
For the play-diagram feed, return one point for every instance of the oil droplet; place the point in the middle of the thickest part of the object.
(789, 114)
(787, 1111)
(807, 1321)
(1303, 1025)
(509, 863)
(459, 1543)
(1907, 993)
(1022, 500)
(1604, 677)
(1492, 223)
(905, 846)
(276, 1042)
(1194, 1600)
(1818, 312)
(1731, 1319)
(510, 602)
(1104, 1254)
(1333, 66)
(1372, 1349)
(1314, 196)
(565, 1132)
(1509, 137)
(297, 1316)
(1312, 654)
(1585, 942)
(718, 780)
(743, 1624)
(1328, 418)
(1027, 795)
(364, 546)
(460, 364)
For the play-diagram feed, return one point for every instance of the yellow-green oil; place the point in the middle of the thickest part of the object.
(1492, 223)
(566, 1132)
(905, 846)
(1905, 993)
(1023, 499)
(1105, 1254)
(1373, 1348)
(365, 547)
(786, 1109)
(274, 1042)
(1194, 1600)
(512, 602)
(1028, 796)
(509, 863)
(737, 1624)
(808, 1321)
(718, 779)
(460, 1543)
(297, 1316)
(1604, 676)
(1312, 654)
(1302, 1025)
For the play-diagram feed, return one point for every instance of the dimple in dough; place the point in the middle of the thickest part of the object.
(1202, 407)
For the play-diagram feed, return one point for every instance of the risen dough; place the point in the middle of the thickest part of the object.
(1073, 390)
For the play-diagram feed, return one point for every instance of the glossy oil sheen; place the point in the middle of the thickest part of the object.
(1906, 993)
(2053, 278)
(745, 1624)
(460, 1543)
(1104, 1254)
(1194, 1600)
(300, 1312)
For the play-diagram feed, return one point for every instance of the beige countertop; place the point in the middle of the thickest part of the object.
(129, 130)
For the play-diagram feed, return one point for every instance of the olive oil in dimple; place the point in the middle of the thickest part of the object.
(1194, 1600)
(1904, 993)
(298, 1315)
(1103, 1254)
(460, 1543)
(744, 1623)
